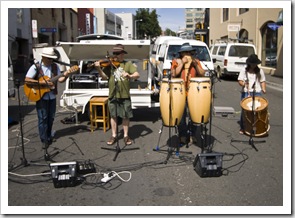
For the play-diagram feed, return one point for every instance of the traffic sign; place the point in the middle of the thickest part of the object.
(45, 29)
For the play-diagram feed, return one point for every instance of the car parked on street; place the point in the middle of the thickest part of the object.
(229, 57)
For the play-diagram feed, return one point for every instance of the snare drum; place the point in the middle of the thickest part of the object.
(172, 95)
(260, 119)
(199, 99)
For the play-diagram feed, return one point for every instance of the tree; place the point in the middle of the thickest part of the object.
(169, 32)
(149, 26)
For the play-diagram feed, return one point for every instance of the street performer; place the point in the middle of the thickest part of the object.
(118, 72)
(186, 66)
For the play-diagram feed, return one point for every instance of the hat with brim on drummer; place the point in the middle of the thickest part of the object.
(49, 53)
(186, 47)
(253, 59)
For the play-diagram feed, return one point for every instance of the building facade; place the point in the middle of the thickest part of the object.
(107, 22)
(258, 25)
(194, 19)
(128, 25)
(29, 27)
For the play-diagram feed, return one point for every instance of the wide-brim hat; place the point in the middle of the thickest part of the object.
(119, 49)
(253, 59)
(49, 53)
(186, 47)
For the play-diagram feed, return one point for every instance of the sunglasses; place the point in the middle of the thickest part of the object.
(118, 53)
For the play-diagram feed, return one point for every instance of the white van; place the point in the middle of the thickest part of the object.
(229, 58)
(11, 89)
(155, 49)
(170, 48)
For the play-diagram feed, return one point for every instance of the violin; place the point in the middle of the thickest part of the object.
(107, 62)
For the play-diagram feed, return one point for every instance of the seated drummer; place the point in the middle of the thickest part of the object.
(186, 67)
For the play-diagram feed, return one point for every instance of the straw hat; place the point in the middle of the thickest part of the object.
(49, 53)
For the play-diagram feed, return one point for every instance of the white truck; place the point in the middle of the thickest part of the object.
(81, 87)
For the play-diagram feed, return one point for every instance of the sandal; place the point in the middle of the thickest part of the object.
(127, 140)
(241, 132)
(112, 140)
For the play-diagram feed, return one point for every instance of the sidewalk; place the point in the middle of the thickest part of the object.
(274, 80)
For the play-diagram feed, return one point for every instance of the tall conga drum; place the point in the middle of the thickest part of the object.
(199, 99)
(172, 101)
(258, 119)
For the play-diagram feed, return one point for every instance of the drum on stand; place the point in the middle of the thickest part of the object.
(199, 99)
(261, 117)
(174, 91)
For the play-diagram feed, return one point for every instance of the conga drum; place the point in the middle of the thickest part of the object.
(199, 99)
(172, 101)
(259, 120)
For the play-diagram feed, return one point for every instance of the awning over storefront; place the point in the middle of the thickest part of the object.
(280, 18)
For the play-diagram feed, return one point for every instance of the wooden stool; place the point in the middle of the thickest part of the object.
(94, 117)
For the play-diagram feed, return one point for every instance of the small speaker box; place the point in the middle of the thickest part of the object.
(208, 164)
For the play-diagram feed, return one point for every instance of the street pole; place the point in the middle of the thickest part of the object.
(135, 28)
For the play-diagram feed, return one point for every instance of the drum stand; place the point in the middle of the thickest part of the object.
(251, 141)
(171, 149)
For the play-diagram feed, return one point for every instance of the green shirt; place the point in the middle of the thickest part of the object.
(123, 85)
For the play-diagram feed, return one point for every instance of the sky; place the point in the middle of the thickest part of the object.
(172, 18)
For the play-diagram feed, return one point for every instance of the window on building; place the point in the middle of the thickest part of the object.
(269, 46)
(243, 10)
(71, 19)
(225, 12)
(189, 15)
(189, 26)
(63, 15)
(52, 13)
(189, 20)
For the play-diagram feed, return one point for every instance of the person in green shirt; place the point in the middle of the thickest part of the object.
(119, 73)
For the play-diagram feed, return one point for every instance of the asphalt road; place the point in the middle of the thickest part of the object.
(249, 177)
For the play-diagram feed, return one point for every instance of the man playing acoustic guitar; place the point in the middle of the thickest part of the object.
(41, 87)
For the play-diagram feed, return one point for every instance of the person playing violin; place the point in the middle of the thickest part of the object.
(186, 66)
(118, 72)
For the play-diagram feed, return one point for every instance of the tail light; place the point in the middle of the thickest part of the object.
(225, 62)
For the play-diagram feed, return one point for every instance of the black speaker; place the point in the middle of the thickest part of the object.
(64, 174)
(208, 164)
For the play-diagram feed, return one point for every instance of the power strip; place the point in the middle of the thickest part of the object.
(107, 177)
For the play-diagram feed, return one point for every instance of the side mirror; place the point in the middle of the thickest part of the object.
(214, 60)
(161, 59)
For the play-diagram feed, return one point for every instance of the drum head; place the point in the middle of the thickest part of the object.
(173, 80)
(200, 79)
(260, 103)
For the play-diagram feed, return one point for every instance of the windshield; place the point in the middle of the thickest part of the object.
(201, 52)
(240, 51)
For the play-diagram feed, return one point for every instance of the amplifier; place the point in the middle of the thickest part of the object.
(64, 174)
(208, 164)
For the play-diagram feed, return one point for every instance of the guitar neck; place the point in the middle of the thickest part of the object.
(54, 79)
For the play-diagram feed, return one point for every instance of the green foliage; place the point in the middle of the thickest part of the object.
(149, 26)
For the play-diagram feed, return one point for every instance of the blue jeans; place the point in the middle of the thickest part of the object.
(245, 95)
(46, 112)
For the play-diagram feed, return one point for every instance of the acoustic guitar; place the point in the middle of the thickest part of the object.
(35, 91)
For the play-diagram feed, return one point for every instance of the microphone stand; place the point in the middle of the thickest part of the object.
(24, 161)
(117, 149)
(251, 141)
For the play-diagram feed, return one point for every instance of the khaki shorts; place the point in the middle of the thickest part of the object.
(120, 108)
